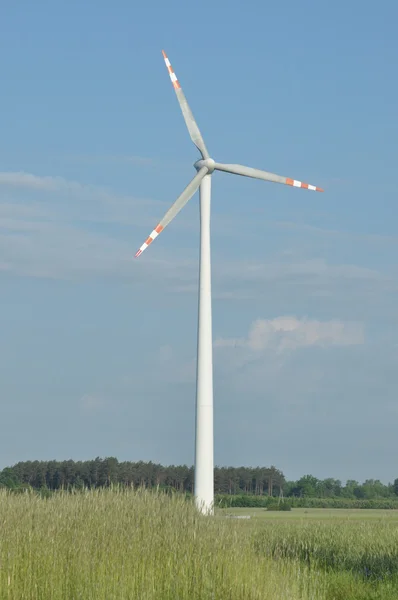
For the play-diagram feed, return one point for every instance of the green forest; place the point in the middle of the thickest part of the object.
(233, 486)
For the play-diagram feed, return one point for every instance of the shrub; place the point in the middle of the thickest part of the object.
(282, 506)
(251, 501)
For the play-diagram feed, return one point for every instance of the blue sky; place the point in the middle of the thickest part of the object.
(97, 350)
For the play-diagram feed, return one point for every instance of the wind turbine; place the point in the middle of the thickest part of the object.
(204, 454)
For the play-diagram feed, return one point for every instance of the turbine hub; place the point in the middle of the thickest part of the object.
(207, 162)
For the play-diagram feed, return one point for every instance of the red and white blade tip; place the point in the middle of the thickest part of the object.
(158, 229)
(173, 76)
(300, 184)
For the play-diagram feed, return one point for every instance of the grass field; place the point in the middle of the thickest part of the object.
(104, 545)
(322, 514)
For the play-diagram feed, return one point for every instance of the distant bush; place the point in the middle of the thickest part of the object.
(282, 506)
(376, 503)
(246, 501)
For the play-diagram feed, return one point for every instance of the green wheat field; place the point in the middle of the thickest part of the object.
(115, 544)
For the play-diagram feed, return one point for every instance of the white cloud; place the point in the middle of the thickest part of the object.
(289, 333)
(267, 357)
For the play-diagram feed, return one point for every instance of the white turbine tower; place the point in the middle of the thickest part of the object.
(204, 461)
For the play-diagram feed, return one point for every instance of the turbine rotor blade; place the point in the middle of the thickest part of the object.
(174, 209)
(190, 122)
(264, 175)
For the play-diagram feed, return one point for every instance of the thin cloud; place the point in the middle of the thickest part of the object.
(76, 231)
(33, 182)
(351, 235)
(29, 181)
(290, 333)
(310, 268)
(131, 159)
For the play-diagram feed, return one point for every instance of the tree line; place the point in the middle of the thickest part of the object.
(309, 486)
(233, 481)
(100, 472)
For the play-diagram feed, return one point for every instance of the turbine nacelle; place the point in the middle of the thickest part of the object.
(209, 163)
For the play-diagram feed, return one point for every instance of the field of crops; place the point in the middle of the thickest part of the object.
(104, 545)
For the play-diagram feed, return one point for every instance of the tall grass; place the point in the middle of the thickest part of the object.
(106, 544)
(366, 549)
